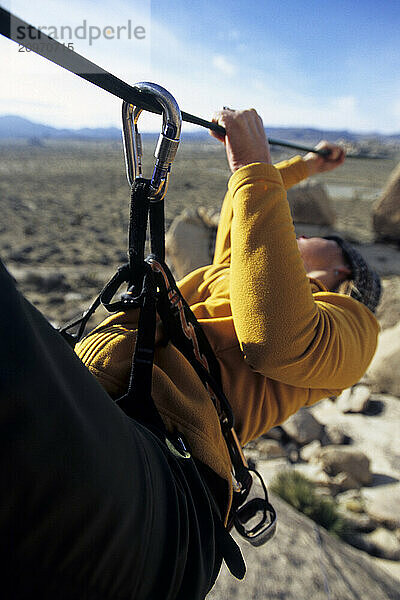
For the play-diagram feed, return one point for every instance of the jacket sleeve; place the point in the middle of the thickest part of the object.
(285, 333)
(292, 172)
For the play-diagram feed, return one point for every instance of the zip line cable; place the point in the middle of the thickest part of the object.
(16, 29)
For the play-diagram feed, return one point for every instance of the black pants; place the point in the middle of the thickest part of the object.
(92, 505)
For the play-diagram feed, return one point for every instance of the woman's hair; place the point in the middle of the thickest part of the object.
(364, 283)
(346, 287)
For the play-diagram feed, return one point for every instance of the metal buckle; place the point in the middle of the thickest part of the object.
(167, 144)
(259, 531)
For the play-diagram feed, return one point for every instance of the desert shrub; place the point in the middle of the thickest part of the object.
(298, 491)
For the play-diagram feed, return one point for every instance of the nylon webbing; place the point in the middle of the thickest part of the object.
(138, 402)
(138, 218)
(157, 230)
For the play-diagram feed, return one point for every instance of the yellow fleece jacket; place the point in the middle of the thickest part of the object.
(282, 340)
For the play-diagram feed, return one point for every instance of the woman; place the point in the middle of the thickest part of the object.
(283, 339)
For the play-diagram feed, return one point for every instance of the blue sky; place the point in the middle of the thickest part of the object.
(311, 63)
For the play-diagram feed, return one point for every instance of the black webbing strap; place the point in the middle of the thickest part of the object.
(138, 217)
(138, 403)
(157, 230)
(188, 337)
(107, 293)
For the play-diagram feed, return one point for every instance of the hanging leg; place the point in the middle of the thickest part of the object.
(89, 504)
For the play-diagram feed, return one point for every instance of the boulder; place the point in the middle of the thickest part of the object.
(386, 543)
(318, 477)
(386, 210)
(354, 400)
(334, 434)
(360, 398)
(303, 427)
(344, 459)
(382, 504)
(292, 450)
(270, 449)
(388, 311)
(345, 481)
(276, 433)
(380, 542)
(384, 373)
(310, 203)
(190, 241)
(310, 450)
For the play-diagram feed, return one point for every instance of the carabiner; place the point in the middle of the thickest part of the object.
(167, 144)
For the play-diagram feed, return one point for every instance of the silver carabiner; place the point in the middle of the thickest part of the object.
(167, 144)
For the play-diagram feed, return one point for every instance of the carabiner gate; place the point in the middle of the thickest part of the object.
(167, 144)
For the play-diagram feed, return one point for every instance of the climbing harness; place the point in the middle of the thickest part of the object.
(152, 288)
(61, 55)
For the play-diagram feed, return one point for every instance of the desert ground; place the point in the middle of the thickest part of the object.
(64, 208)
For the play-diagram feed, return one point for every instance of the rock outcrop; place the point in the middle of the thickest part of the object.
(303, 561)
(310, 203)
(384, 374)
(302, 427)
(350, 455)
(336, 460)
(190, 241)
(386, 211)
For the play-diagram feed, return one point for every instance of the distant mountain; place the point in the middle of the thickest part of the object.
(17, 127)
(14, 127)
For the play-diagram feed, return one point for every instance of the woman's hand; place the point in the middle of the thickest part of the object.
(318, 164)
(245, 140)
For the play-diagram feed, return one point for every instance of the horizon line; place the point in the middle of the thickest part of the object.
(199, 130)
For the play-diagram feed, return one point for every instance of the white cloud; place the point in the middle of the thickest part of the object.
(221, 63)
(346, 104)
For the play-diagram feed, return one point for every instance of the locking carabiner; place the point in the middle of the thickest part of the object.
(167, 144)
